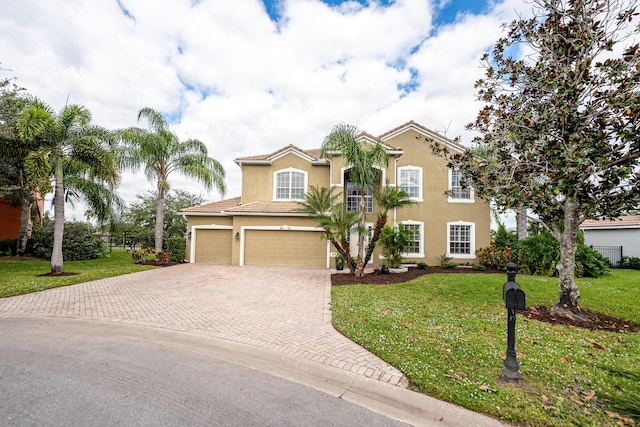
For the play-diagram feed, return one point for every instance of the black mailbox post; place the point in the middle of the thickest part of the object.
(514, 299)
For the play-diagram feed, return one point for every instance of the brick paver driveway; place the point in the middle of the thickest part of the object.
(275, 308)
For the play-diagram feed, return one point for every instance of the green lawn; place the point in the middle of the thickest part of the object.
(447, 333)
(23, 277)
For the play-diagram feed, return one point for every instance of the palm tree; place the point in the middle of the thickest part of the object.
(334, 219)
(160, 152)
(79, 156)
(387, 198)
(361, 159)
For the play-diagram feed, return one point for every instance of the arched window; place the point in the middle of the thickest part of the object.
(289, 184)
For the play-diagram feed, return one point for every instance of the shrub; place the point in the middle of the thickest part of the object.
(140, 255)
(395, 241)
(632, 263)
(591, 262)
(445, 261)
(6, 247)
(422, 265)
(479, 267)
(538, 255)
(177, 245)
(497, 257)
(79, 243)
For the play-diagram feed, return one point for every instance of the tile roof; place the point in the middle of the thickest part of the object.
(231, 206)
(267, 207)
(215, 207)
(623, 221)
(314, 153)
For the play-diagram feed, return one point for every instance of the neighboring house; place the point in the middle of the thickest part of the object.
(264, 226)
(614, 238)
(10, 218)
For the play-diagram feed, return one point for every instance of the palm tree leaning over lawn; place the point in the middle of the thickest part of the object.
(387, 198)
(160, 152)
(361, 158)
(79, 156)
(334, 219)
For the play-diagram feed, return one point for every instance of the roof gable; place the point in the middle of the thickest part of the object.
(423, 131)
(312, 155)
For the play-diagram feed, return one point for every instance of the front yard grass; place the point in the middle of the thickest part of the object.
(447, 334)
(19, 277)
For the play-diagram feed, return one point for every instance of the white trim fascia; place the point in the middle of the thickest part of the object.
(610, 227)
(221, 213)
(301, 214)
(193, 231)
(253, 162)
(244, 228)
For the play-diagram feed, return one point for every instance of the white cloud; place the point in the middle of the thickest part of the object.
(242, 83)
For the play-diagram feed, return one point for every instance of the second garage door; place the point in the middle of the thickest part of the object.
(285, 247)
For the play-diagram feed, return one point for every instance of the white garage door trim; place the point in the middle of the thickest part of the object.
(277, 227)
(194, 234)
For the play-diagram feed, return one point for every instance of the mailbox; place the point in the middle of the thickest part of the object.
(513, 296)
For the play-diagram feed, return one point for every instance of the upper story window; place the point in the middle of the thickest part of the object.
(290, 184)
(354, 197)
(411, 181)
(458, 193)
(460, 240)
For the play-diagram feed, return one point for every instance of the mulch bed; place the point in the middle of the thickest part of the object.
(594, 321)
(377, 278)
(159, 263)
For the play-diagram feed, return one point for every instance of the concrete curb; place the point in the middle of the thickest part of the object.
(392, 401)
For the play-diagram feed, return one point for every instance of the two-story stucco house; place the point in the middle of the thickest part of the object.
(264, 226)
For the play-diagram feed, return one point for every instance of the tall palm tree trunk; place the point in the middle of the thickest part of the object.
(159, 219)
(362, 225)
(58, 224)
(23, 234)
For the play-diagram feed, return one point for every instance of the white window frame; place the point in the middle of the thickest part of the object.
(472, 240)
(451, 199)
(418, 169)
(420, 224)
(289, 171)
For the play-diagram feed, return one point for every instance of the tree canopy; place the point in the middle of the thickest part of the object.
(559, 129)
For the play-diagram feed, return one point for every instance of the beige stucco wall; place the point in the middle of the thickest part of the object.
(436, 210)
(257, 180)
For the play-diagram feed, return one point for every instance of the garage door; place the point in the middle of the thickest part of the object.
(214, 246)
(285, 247)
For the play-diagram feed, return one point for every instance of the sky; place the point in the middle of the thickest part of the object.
(248, 77)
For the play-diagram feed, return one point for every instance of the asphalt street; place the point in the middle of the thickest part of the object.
(61, 372)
